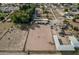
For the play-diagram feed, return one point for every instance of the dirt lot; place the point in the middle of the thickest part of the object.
(13, 40)
(40, 39)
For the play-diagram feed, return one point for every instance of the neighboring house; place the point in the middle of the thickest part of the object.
(69, 15)
(74, 11)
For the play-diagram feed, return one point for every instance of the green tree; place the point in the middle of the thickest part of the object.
(76, 28)
(74, 20)
(24, 15)
(66, 10)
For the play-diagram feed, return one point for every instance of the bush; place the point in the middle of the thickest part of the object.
(66, 10)
(76, 16)
(71, 26)
(66, 22)
(77, 6)
(1, 18)
(76, 28)
(74, 20)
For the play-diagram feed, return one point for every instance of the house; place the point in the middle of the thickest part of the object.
(68, 15)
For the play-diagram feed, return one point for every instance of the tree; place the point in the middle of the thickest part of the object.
(76, 28)
(77, 6)
(24, 15)
(46, 11)
(2, 16)
(20, 17)
(74, 20)
(77, 17)
(24, 7)
(66, 10)
(66, 22)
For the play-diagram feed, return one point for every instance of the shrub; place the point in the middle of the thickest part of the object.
(76, 28)
(66, 10)
(74, 20)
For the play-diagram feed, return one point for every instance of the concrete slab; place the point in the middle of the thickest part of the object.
(14, 40)
(40, 39)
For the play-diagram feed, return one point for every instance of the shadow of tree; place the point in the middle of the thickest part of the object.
(27, 27)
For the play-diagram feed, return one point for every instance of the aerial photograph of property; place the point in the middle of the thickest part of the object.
(39, 28)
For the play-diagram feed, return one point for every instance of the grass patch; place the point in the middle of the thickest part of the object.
(3, 15)
(5, 26)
